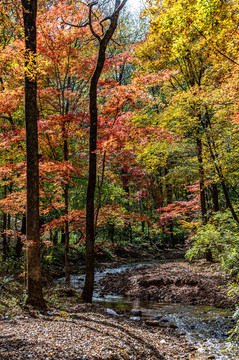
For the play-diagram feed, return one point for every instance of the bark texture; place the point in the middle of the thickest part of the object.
(34, 278)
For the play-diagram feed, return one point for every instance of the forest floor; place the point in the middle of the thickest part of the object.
(179, 281)
(70, 330)
(87, 332)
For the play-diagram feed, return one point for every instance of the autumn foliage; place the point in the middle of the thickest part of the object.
(167, 157)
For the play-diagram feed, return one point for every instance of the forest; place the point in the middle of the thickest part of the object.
(118, 146)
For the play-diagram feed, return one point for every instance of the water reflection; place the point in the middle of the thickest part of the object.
(206, 327)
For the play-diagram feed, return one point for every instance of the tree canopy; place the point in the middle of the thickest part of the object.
(137, 131)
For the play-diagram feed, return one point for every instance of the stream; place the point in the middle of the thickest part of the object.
(205, 327)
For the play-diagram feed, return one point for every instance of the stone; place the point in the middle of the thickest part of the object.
(135, 318)
(111, 312)
(136, 312)
(153, 323)
(182, 333)
(164, 320)
(171, 325)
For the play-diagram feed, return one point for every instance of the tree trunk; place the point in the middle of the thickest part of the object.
(208, 252)
(222, 180)
(111, 232)
(142, 226)
(100, 185)
(54, 238)
(90, 196)
(66, 210)
(127, 231)
(228, 201)
(208, 255)
(4, 228)
(90, 215)
(169, 196)
(63, 236)
(67, 261)
(201, 182)
(19, 245)
(215, 201)
(66, 192)
(34, 278)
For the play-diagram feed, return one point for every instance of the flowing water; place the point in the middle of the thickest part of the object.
(205, 327)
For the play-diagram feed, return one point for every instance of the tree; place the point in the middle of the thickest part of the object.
(60, 50)
(185, 40)
(34, 279)
(103, 40)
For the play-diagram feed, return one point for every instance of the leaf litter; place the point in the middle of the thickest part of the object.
(87, 333)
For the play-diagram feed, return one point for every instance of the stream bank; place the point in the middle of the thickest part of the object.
(189, 297)
(193, 283)
(171, 296)
(70, 330)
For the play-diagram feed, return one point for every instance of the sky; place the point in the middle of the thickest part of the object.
(135, 3)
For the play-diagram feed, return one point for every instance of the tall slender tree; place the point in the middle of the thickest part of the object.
(103, 39)
(34, 278)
